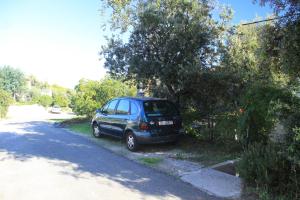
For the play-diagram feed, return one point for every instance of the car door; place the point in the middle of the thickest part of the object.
(122, 116)
(106, 120)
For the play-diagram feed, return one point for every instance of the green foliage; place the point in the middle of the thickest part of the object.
(170, 41)
(252, 54)
(45, 94)
(82, 127)
(288, 40)
(290, 7)
(290, 52)
(267, 167)
(60, 99)
(264, 106)
(91, 95)
(152, 161)
(61, 96)
(5, 101)
(45, 100)
(12, 80)
(293, 147)
(34, 89)
(227, 127)
(211, 92)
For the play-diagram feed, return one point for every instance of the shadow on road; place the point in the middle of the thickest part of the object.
(41, 140)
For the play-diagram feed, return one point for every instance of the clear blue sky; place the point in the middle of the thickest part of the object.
(59, 40)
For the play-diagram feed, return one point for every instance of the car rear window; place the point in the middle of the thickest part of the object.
(160, 108)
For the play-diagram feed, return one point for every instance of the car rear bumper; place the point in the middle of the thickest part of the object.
(148, 138)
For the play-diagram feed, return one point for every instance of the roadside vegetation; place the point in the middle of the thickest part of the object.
(26, 90)
(151, 161)
(5, 101)
(83, 127)
(91, 95)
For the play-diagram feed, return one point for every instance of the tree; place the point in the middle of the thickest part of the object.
(12, 80)
(289, 7)
(170, 41)
(45, 100)
(252, 54)
(90, 95)
(5, 101)
(288, 29)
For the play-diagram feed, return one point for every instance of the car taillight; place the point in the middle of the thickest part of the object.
(144, 126)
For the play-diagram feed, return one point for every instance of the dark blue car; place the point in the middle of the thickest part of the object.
(138, 121)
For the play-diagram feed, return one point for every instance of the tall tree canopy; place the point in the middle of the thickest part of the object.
(288, 30)
(170, 40)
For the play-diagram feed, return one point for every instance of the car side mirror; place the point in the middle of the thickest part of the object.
(104, 112)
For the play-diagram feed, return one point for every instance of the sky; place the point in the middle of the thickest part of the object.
(59, 41)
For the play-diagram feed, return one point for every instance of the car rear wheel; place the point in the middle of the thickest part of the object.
(131, 142)
(96, 130)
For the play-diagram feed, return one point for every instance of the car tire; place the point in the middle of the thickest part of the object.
(131, 142)
(96, 130)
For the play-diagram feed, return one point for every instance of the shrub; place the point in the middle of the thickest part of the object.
(5, 101)
(61, 96)
(264, 106)
(226, 127)
(268, 167)
(45, 100)
(91, 95)
(60, 99)
(272, 167)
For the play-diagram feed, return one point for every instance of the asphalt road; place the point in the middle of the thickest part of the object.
(39, 161)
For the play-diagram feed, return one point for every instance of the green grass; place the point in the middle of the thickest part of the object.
(83, 127)
(57, 120)
(150, 161)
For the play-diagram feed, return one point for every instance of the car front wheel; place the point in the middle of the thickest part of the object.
(96, 131)
(131, 142)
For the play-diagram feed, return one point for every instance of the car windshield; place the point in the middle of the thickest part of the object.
(160, 108)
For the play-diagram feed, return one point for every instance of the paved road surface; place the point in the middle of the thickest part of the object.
(41, 162)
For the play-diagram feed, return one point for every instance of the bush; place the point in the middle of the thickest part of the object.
(269, 168)
(45, 100)
(226, 127)
(5, 101)
(272, 167)
(91, 95)
(61, 99)
(264, 106)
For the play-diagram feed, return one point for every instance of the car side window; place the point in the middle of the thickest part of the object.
(134, 108)
(111, 107)
(123, 107)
